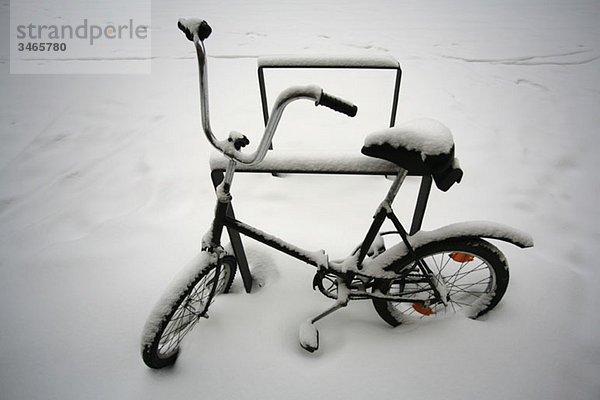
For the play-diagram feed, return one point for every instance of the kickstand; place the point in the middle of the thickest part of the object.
(309, 335)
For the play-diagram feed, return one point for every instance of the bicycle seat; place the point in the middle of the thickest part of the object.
(422, 147)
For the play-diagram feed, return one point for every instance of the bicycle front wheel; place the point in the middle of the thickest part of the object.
(183, 306)
(474, 272)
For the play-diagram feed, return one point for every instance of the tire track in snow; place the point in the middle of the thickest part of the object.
(549, 59)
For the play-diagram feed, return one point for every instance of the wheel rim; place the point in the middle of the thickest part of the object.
(190, 310)
(469, 279)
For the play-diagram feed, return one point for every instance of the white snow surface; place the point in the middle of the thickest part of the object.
(425, 135)
(105, 195)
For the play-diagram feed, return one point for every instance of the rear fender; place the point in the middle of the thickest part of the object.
(460, 230)
(480, 229)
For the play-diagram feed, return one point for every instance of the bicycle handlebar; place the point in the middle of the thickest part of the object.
(197, 30)
(337, 104)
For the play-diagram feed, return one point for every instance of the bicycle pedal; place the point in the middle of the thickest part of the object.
(309, 337)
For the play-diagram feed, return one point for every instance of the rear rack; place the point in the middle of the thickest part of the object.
(345, 62)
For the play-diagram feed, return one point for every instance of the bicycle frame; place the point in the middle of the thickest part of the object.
(346, 270)
(223, 217)
(399, 274)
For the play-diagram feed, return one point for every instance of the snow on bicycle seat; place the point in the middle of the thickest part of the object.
(422, 147)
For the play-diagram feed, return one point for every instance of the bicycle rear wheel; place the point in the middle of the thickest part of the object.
(182, 307)
(474, 272)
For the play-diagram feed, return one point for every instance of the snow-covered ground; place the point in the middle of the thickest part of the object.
(105, 194)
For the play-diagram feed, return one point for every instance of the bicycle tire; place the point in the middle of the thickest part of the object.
(182, 307)
(475, 272)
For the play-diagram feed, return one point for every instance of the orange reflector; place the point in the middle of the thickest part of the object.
(462, 257)
(422, 310)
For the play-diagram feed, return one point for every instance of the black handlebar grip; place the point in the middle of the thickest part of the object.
(191, 26)
(337, 104)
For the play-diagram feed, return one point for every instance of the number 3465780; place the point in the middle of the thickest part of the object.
(48, 46)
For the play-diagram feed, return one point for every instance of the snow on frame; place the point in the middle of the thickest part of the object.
(317, 163)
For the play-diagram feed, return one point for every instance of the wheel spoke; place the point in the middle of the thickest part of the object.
(461, 304)
(443, 257)
(461, 274)
(465, 286)
(466, 278)
(452, 305)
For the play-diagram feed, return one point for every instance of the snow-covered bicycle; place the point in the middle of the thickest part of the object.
(426, 274)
